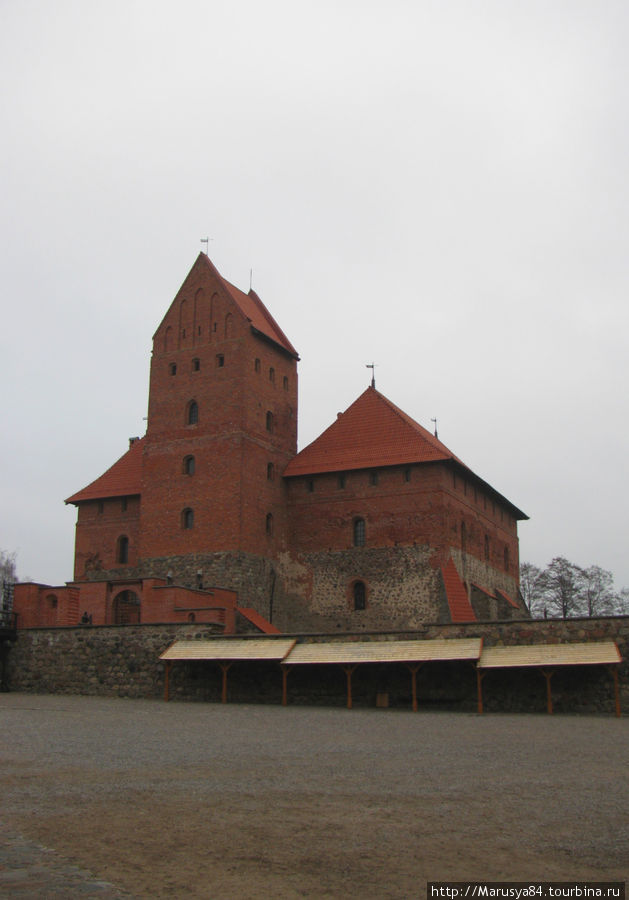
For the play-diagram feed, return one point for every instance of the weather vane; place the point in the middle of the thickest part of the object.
(435, 421)
(372, 366)
(206, 241)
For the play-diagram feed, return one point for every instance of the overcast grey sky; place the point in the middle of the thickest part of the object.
(440, 187)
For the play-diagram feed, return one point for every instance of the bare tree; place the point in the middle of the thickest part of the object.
(561, 585)
(622, 602)
(8, 577)
(531, 588)
(597, 591)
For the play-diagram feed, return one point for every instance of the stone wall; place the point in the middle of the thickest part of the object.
(124, 661)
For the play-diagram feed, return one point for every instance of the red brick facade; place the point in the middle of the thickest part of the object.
(355, 531)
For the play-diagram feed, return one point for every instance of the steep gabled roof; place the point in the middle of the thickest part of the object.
(259, 317)
(123, 479)
(371, 432)
(249, 305)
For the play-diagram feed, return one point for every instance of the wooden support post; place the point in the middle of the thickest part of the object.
(614, 674)
(167, 665)
(548, 674)
(285, 671)
(225, 666)
(479, 689)
(348, 674)
(414, 669)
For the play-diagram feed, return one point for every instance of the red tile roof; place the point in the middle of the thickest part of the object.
(456, 595)
(507, 598)
(259, 621)
(255, 311)
(123, 479)
(371, 432)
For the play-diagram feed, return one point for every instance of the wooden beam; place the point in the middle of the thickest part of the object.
(414, 668)
(614, 673)
(548, 674)
(225, 667)
(348, 674)
(479, 689)
(167, 665)
(285, 672)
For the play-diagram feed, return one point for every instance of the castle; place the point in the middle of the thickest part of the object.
(213, 516)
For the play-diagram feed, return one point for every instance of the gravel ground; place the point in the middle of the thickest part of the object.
(109, 798)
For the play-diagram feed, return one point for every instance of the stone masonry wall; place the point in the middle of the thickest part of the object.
(124, 661)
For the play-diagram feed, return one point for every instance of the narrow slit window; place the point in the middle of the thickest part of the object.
(359, 533)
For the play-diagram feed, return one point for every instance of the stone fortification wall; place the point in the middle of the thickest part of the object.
(124, 661)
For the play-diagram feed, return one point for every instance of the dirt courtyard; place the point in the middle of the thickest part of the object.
(202, 800)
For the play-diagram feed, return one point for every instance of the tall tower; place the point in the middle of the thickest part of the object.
(222, 426)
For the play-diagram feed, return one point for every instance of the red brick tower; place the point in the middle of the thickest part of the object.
(222, 425)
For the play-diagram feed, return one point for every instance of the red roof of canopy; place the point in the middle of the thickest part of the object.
(123, 479)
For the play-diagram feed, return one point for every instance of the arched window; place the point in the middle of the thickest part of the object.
(270, 471)
(192, 416)
(360, 595)
(188, 465)
(269, 524)
(285, 383)
(269, 422)
(256, 365)
(359, 532)
(272, 374)
(187, 518)
(196, 364)
(122, 550)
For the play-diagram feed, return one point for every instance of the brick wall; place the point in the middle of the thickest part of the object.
(245, 388)
(100, 525)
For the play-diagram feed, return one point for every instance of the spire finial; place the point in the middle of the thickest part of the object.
(372, 366)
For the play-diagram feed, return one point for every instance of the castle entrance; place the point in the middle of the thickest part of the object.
(126, 608)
